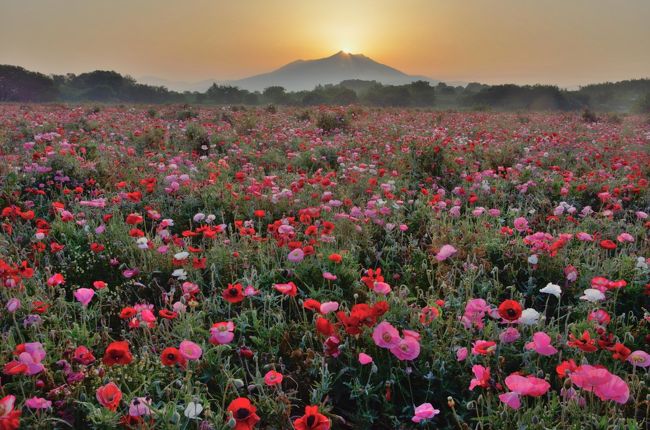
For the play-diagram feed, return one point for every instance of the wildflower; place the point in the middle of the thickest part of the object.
(9, 418)
(445, 252)
(509, 335)
(385, 335)
(510, 310)
(592, 295)
(233, 293)
(38, 403)
(193, 410)
(140, 406)
(328, 307)
(83, 355)
(312, 420)
(221, 333)
(296, 256)
(109, 396)
(475, 311)
(529, 316)
(84, 296)
(12, 305)
(639, 359)
(335, 258)
(511, 399)
(521, 224)
(243, 412)
(288, 289)
(407, 348)
(424, 412)
(599, 380)
(172, 356)
(527, 385)
(541, 344)
(381, 288)
(461, 354)
(273, 378)
(552, 289)
(585, 342)
(481, 377)
(483, 347)
(117, 353)
(364, 358)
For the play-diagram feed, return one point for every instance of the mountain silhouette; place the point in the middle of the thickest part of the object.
(306, 74)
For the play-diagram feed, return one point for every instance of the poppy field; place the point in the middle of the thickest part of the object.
(331, 268)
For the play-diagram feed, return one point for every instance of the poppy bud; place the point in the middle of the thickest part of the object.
(450, 402)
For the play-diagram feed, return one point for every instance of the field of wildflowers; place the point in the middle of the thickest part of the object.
(213, 268)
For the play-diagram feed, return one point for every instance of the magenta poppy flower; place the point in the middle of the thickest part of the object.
(445, 252)
(385, 335)
(84, 296)
(424, 412)
(639, 359)
(541, 344)
(221, 333)
(189, 350)
(511, 399)
(296, 256)
(364, 358)
(406, 349)
(38, 403)
(527, 385)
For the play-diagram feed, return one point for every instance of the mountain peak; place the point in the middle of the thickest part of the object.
(341, 66)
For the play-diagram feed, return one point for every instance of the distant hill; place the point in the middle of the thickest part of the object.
(20, 85)
(307, 74)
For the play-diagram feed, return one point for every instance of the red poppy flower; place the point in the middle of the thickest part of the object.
(244, 413)
(109, 396)
(83, 355)
(312, 420)
(128, 313)
(335, 258)
(585, 342)
(233, 293)
(620, 352)
(510, 310)
(312, 305)
(167, 314)
(563, 369)
(117, 353)
(607, 244)
(172, 356)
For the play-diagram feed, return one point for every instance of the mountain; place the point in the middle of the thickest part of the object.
(306, 74)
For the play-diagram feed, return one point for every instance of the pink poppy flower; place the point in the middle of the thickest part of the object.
(511, 399)
(639, 359)
(140, 406)
(481, 377)
(221, 333)
(603, 383)
(385, 335)
(541, 344)
(445, 252)
(424, 412)
(84, 296)
(461, 354)
(407, 348)
(189, 350)
(521, 224)
(296, 256)
(381, 288)
(329, 276)
(38, 403)
(364, 358)
(527, 385)
(328, 307)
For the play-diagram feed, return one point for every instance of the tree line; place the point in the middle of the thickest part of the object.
(20, 85)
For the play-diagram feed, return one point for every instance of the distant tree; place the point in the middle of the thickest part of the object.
(421, 93)
(20, 85)
(643, 105)
(276, 95)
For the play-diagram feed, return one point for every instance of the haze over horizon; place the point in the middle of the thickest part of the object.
(514, 41)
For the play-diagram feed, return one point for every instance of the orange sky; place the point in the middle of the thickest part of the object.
(565, 42)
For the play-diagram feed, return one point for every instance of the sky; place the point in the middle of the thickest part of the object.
(562, 42)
